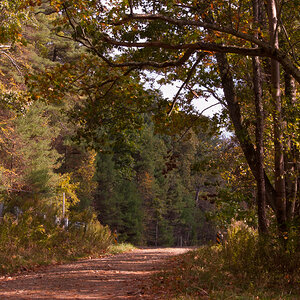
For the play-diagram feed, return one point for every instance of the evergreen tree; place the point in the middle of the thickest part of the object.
(36, 157)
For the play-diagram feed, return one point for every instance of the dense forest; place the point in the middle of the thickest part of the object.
(90, 145)
(73, 125)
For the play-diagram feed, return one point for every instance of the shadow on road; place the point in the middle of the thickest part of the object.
(111, 277)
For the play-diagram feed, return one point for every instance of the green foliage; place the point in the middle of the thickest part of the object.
(154, 174)
(107, 111)
(233, 205)
(154, 204)
(131, 206)
(36, 160)
(117, 201)
(175, 37)
(83, 175)
(263, 261)
(240, 248)
(235, 188)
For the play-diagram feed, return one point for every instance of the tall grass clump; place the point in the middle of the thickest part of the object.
(31, 240)
(240, 249)
(120, 248)
(267, 259)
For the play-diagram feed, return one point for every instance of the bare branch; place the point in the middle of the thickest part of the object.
(5, 47)
(185, 6)
(293, 54)
(13, 62)
(214, 94)
(47, 12)
(185, 82)
(143, 64)
(131, 7)
(69, 17)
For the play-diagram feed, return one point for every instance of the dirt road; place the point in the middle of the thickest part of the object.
(113, 277)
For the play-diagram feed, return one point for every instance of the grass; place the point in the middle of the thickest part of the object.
(35, 256)
(120, 248)
(202, 274)
(29, 243)
(244, 268)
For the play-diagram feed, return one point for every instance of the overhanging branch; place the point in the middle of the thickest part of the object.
(190, 74)
(186, 22)
(264, 50)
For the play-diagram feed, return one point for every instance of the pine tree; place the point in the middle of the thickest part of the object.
(37, 160)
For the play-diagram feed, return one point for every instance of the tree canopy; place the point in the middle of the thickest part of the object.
(236, 46)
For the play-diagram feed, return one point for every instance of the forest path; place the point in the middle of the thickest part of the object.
(112, 277)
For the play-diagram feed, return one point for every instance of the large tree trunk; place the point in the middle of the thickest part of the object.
(257, 82)
(280, 197)
(241, 130)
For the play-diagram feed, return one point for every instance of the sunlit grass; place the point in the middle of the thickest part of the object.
(203, 274)
(24, 248)
(246, 267)
(120, 248)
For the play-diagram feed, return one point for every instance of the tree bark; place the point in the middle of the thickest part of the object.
(280, 197)
(240, 130)
(291, 153)
(259, 127)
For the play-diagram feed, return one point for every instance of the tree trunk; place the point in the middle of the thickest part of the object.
(197, 196)
(241, 130)
(280, 198)
(257, 82)
(291, 153)
(156, 233)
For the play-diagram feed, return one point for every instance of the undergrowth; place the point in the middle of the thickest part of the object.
(31, 241)
(245, 267)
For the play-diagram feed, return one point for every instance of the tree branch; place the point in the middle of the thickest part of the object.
(13, 62)
(185, 82)
(5, 47)
(204, 46)
(265, 50)
(140, 65)
(185, 22)
(116, 80)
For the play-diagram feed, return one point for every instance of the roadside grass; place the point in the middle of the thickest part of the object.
(202, 274)
(120, 248)
(244, 268)
(30, 243)
(19, 259)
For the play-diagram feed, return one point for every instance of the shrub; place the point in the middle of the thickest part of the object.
(247, 254)
(31, 240)
(240, 248)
